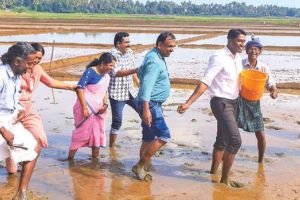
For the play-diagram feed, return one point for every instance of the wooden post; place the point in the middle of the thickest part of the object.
(51, 59)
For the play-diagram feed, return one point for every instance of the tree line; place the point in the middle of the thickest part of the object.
(153, 8)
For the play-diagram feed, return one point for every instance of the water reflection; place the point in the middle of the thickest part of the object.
(8, 188)
(88, 182)
(259, 182)
(87, 38)
(121, 186)
(97, 179)
(254, 190)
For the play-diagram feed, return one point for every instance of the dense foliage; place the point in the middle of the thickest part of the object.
(153, 7)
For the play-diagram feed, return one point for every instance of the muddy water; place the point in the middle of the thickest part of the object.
(180, 170)
(87, 38)
(191, 64)
(265, 40)
(59, 52)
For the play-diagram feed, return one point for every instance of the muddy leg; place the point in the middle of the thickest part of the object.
(138, 169)
(144, 146)
(95, 152)
(112, 139)
(27, 170)
(72, 154)
(228, 159)
(11, 166)
(216, 160)
(261, 144)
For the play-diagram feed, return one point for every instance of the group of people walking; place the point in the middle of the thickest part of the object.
(111, 78)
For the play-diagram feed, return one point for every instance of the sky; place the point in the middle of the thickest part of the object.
(285, 3)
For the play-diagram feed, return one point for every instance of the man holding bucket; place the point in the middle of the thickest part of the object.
(222, 79)
(250, 117)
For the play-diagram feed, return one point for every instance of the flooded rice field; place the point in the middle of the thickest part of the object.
(87, 38)
(191, 63)
(60, 52)
(181, 169)
(269, 40)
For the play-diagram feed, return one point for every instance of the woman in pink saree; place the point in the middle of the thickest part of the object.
(90, 107)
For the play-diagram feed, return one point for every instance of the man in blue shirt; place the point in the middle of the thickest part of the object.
(154, 90)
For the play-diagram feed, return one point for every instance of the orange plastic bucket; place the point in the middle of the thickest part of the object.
(253, 84)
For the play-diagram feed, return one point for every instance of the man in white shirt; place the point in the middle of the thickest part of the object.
(222, 79)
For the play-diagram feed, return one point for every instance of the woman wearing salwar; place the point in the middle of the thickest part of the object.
(250, 117)
(90, 107)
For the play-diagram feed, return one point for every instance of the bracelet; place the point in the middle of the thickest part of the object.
(105, 105)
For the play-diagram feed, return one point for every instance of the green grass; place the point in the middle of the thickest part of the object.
(207, 19)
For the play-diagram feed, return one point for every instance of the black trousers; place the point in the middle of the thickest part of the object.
(228, 135)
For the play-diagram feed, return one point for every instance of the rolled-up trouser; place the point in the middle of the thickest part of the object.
(117, 112)
(228, 135)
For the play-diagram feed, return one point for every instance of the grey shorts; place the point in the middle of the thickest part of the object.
(228, 135)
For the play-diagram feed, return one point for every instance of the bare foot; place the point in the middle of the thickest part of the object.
(140, 173)
(148, 166)
(21, 196)
(214, 178)
(233, 184)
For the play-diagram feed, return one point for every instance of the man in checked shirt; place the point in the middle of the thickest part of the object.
(121, 90)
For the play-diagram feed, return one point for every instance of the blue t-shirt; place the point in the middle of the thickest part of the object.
(154, 78)
(89, 77)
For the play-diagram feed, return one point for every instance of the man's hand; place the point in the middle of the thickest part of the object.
(182, 108)
(21, 115)
(274, 93)
(147, 117)
(8, 136)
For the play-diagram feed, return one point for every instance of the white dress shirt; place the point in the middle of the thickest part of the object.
(222, 74)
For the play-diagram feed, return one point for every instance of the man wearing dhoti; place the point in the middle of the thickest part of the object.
(15, 141)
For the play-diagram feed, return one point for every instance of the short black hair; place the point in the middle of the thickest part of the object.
(163, 37)
(234, 33)
(20, 49)
(119, 37)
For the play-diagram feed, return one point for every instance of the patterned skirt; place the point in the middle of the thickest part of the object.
(249, 116)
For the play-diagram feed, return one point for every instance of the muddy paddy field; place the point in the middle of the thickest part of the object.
(180, 170)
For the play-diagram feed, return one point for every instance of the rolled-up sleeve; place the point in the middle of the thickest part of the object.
(213, 68)
(271, 81)
(150, 74)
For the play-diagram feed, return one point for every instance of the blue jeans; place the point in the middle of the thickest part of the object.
(159, 128)
(117, 112)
